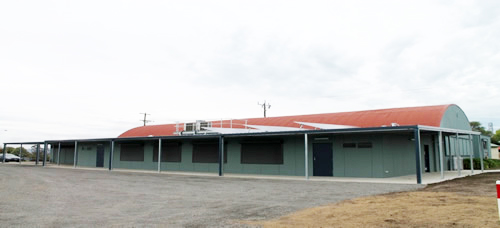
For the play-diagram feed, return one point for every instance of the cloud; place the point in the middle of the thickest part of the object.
(74, 69)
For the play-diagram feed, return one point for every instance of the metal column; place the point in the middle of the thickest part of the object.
(471, 156)
(20, 153)
(44, 153)
(76, 154)
(481, 153)
(51, 152)
(221, 155)
(37, 153)
(417, 155)
(4, 148)
(112, 150)
(159, 155)
(306, 156)
(58, 153)
(441, 154)
(458, 156)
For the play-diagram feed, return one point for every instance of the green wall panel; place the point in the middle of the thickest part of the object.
(455, 118)
(392, 154)
(398, 154)
(67, 155)
(377, 157)
(338, 157)
(87, 154)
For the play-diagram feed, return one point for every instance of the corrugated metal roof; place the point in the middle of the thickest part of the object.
(426, 115)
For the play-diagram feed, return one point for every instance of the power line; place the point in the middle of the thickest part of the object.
(144, 121)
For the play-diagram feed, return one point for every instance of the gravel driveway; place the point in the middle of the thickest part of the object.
(60, 197)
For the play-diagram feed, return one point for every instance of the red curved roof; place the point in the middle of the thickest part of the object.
(426, 115)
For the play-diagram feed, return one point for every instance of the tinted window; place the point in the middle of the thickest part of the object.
(262, 153)
(207, 153)
(349, 145)
(131, 152)
(364, 145)
(170, 152)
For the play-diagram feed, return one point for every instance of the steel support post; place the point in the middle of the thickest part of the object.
(221, 155)
(37, 153)
(58, 153)
(44, 153)
(481, 153)
(306, 157)
(441, 154)
(417, 155)
(159, 155)
(471, 155)
(457, 153)
(112, 150)
(4, 151)
(75, 154)
(20, 153)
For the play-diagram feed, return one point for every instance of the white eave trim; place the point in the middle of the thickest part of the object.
(448, 130)
(325, 126)
(231, 130)
(264, 128)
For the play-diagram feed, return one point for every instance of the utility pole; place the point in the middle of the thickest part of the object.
(265, 106)
(144, 121)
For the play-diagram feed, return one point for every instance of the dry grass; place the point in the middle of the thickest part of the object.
(475, 206)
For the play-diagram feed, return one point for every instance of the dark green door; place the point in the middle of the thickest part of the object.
(100, 156)
(322, 159)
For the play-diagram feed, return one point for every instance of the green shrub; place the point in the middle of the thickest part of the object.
(488, 163)
(476, 161)
(494, 163)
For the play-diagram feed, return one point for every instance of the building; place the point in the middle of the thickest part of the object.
(495, 150)
(377, 143)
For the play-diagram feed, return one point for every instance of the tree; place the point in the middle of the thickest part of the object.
(476, 126)
(496, 137)
(24, 152)
(15, 151)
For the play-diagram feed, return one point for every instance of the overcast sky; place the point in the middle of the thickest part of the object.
(86, 69)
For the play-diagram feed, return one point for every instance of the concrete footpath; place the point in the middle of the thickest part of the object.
(52, 197)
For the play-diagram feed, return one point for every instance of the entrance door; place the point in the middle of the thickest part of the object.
(100, 156)
(322, 159)
(426, 158)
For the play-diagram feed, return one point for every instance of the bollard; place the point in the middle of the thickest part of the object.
(498, 198)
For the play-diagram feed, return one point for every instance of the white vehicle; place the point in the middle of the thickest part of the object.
(9, 157)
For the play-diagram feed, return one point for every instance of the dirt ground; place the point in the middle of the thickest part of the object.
(464, 202)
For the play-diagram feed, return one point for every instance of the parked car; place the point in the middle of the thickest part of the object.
(9, 157)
